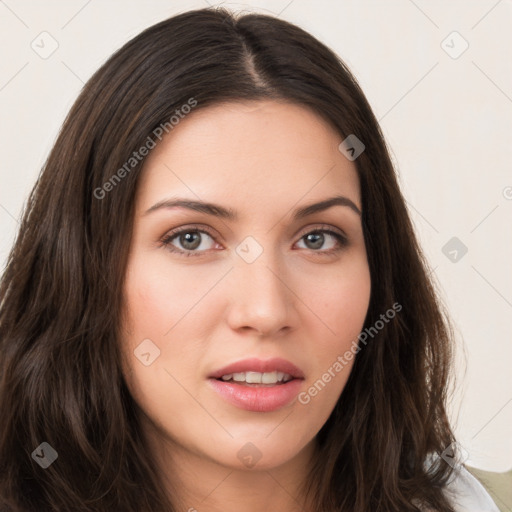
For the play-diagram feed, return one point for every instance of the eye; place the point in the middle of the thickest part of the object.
(317, 239)
(189, 241)
(192, 241)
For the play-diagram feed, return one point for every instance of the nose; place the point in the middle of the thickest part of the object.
(261, 297)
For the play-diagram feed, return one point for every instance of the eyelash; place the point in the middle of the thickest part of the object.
(169, 237)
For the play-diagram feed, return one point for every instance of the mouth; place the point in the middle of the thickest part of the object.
(257, 385)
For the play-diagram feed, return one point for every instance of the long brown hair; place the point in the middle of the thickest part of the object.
(61, 292)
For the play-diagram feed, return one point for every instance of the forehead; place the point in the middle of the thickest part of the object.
(272, 152)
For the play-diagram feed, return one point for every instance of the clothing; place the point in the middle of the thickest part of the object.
(467, 494)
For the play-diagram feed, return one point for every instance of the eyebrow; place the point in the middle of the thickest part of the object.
(229, 214)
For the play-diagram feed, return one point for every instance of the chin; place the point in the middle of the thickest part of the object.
(259, 452)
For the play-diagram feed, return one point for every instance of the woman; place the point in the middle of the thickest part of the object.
(216, 300)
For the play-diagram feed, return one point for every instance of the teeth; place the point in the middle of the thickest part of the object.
(253, 377)
(257, 377)
(270, 377)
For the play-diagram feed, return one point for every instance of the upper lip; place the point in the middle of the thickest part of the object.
(276, 364)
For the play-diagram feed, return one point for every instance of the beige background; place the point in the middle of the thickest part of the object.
(446, 113)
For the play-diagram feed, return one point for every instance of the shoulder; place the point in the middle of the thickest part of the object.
(467, 494)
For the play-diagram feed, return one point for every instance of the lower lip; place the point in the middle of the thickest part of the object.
(257, 398)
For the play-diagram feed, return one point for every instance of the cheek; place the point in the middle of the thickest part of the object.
(340, 300)
(349, 303)
(341, 303)
(161, 305)
(153, 307)
(159, 294)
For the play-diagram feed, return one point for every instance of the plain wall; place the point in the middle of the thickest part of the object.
(447, 119)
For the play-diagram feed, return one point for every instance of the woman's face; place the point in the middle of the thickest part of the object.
(263, 280)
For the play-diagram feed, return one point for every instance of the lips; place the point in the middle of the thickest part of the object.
(258, 397)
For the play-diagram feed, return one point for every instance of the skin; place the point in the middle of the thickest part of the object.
(263, 160)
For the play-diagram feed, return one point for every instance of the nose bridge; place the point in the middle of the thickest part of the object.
(260, 295)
